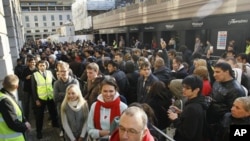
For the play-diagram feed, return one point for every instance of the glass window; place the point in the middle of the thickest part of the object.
(35, 18)
(27, 18)
(53, 23)
(68, 17)
(27, 25)
(60, 17)
(44, 17)
(36, 24)
(44, 24)
(61, 23)
(52, 18)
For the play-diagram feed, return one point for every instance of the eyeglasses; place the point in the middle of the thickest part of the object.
(130, 131)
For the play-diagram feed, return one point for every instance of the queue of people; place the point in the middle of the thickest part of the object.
(175, 92)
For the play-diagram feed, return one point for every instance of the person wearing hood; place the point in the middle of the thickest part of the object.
(105, 109)
(190, 123)
(132, 126)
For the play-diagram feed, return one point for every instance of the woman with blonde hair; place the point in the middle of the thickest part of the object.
(74, 114)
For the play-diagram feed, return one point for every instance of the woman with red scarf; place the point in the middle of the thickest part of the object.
(105, 109)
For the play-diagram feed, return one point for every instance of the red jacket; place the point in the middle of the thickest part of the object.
(115, 136)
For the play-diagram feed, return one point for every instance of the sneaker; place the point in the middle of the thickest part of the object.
(39, 135)
(61, 134)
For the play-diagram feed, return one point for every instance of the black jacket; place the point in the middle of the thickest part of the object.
(160, 102)
(121, 80)
(190, 125)
(224, 128)
(223, 95)
(142, 92)
(27, 82)
(163, 74)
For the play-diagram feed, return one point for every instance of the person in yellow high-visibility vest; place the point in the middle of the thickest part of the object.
(42, 90)
(12, 122)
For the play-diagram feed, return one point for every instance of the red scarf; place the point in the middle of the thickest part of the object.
(115, 111)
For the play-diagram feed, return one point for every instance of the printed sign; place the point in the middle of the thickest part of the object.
(222, 40)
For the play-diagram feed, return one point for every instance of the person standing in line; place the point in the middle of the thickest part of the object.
(61, 84)
(42, 90)
(132, 126)
(198, 46)
(27, 97)
(188, 129)
(92, 86)
(105, 109)
(145, 81)
(74, 114)
(239, 115)
(12, 122)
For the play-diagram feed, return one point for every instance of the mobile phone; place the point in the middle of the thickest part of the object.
(172, 109)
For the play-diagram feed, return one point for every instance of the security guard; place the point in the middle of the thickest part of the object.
(12, 122)
(42, 90)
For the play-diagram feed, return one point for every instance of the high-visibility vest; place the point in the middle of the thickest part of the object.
(44, 86)
(7, 134)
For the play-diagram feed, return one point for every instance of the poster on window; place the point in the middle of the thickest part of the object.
(222, 40)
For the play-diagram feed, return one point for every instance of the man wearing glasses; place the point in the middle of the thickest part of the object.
(132, 126)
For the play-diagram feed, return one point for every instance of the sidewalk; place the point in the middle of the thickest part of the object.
(49, 133)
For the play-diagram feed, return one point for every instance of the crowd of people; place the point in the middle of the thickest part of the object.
(96, 92)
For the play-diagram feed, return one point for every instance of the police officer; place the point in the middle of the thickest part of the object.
(12, 122)
(42, 90)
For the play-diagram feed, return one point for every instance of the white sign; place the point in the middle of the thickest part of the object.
(222, 40)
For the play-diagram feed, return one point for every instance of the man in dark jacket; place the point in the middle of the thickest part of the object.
(190, 122)
(225, 90)
(145, 81)
(120, 77)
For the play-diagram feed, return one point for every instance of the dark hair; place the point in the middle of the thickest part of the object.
(158, 88)
(193, 81)
(145, 65)
(178, 59)
(109, 80)
(130, 66)
(31, 59)
(172, 52)
(113, 63)
(148, 110)
(225, 67)
(243, 56)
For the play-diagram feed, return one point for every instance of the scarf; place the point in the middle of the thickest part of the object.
(75, 105)
(115, 111)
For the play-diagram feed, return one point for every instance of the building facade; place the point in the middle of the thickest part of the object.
(216, 21)
(42, 18)
(11, 35)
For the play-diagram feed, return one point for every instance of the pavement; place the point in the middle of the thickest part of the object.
(49, 133)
